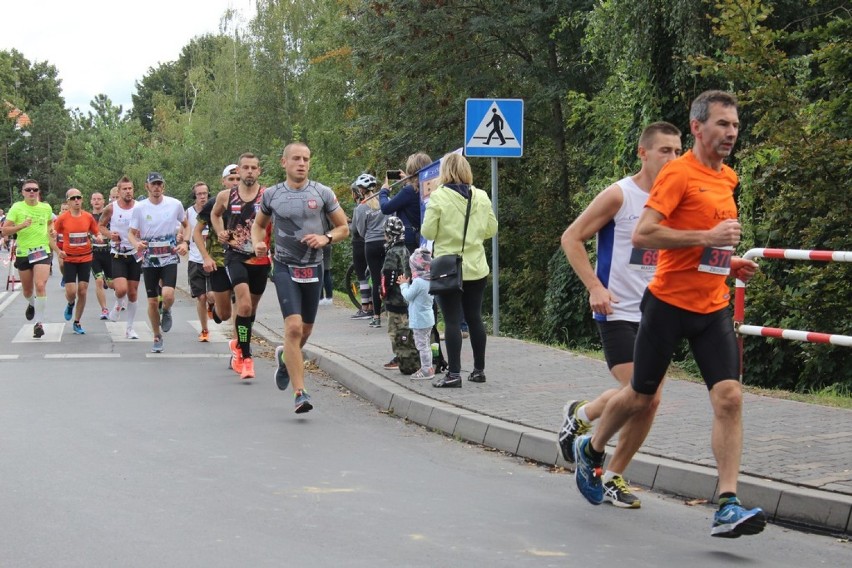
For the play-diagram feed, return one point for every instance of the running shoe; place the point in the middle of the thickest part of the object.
(104, 314)
(303, 402)
(158, 344)
(62, 282)
(248, 369)
(236, 356)
(78, 329)
(114, 313)
(129, 333)
(166, 321)
(38, 330)
(30, 313)
(282, 375)
(588, 472)
(362, 314)
(421, 376)
(617, 492)
(375, 321)
(477, 376)
(392, 364)
(447, 381)
(572, 426)
(214, 315)
(69, 311)
(732, 520)
(204, 336)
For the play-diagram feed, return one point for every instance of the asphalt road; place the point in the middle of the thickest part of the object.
(112, 456)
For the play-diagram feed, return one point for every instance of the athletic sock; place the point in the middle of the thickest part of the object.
(608, 475)
(724, 498)
(581, 414)
(131, 312)
(244, 334)
(30, 300)
(40, 303)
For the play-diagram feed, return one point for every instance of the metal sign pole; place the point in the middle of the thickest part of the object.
(495, 253)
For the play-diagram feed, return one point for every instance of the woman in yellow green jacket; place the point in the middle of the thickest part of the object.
(443, 223)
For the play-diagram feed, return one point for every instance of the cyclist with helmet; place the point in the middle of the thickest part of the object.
(360, 187)
(368, 222)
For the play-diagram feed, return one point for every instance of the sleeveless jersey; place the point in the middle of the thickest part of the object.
(238, 218)
(120, 223)
(626, 280)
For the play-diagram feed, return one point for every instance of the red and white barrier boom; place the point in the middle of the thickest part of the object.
(793, 334)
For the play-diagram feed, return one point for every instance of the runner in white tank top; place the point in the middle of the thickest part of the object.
(615, 290)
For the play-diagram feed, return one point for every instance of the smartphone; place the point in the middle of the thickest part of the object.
(394, 174)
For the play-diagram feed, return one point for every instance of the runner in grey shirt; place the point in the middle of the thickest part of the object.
(297, 207)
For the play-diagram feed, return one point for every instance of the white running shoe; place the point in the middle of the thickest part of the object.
(131, 334)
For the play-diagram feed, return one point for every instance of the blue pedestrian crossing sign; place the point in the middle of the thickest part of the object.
(494, 128)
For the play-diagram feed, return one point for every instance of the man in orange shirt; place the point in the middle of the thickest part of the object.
(76, 227)
(691, 216)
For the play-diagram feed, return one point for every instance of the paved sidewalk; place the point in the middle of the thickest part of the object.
(797, 460)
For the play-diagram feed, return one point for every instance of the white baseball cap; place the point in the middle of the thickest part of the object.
(229, 170)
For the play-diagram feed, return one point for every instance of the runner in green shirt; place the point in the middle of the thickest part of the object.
(29, 221)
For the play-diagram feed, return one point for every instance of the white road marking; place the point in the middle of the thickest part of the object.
(52, 333)
(82, 355)
(217, 331)
(116, 331)
(187, 355)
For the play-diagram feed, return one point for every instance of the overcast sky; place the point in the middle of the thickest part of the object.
(105, 46)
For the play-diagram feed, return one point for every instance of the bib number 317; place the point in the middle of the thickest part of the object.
(716, 260)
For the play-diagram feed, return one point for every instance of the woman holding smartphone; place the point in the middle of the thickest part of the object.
(406, 203)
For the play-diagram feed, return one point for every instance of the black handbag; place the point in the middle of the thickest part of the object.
(446, 272)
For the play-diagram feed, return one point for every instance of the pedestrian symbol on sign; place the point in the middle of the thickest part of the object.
(498, 122)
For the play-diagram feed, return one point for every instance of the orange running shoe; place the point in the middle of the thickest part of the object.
(204, 336)
(236, 356)
(248, 369)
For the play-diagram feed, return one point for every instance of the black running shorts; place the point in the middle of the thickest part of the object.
(711, 338)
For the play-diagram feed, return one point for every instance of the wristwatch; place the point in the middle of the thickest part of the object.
(329, 237)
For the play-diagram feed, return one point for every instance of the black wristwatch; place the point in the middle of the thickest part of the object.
(330, 238)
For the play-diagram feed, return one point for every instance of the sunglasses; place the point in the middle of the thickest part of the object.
(31, 189)
(75, 197)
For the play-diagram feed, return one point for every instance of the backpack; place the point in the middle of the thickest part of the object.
(405, 351)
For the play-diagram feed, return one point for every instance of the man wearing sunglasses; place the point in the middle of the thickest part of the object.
(29, 221)
(77, 227)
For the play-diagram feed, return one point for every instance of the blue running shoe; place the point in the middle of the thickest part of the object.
(78, 329)
(69, 311)
(158, 344)
(732, 520)
(282, 377)
(588, 473)
(303, 402)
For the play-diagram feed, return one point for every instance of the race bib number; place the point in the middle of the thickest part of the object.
(716, 260)
(139, 255)
(78, 239)
(205, 232)
(36, 254)
(643, 260)
(160, 249)
(304, 274)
